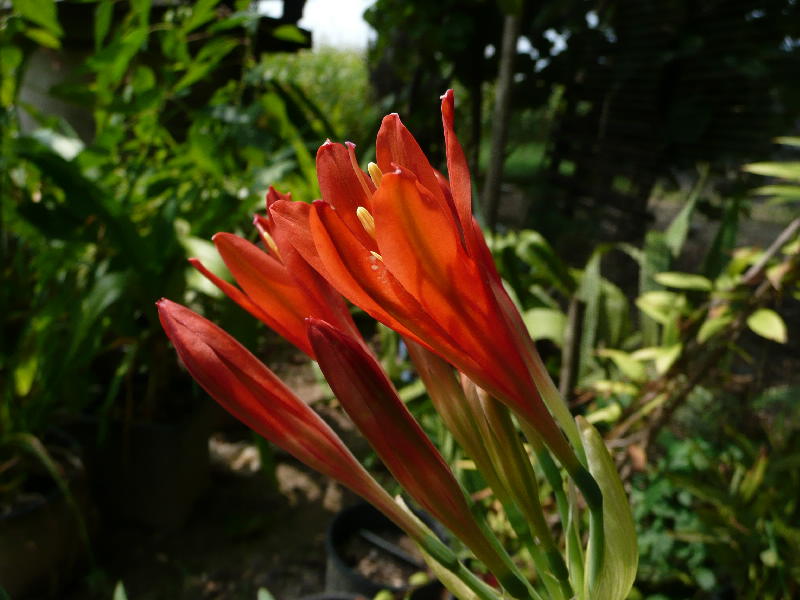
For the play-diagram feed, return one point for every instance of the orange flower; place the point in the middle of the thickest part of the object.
(411, 255)
(254, 395)
(278, 286)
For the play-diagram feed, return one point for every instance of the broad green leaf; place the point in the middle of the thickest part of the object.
(607, 386)
(209, 57)
(683, 281)
(589, 293)
(784, 170)
(629, 366)
(43, 37)
(675, 235)
(546, 324)
(620, 553)
(656, 257)
(712, 326)
(25, 372)
(10, 60)
(289, 33)
(769, 324)
(662, 356)
(264, 594)
(786, 192)
(607, 414)
(41, 12)
(119, 592)
(102, 21)
(106, 290)
(202, 12)
(788, 140)
(660, 305)
(718, 255)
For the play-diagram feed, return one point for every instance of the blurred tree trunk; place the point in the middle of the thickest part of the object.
(500, 120)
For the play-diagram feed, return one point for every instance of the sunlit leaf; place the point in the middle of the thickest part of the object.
(629, 366)
(43, 37)
(41, 12)
(769, 324)
(620, 553)
(712, 326)
(784, 170)
(683, 281)
(119, 592)
(660, 305)
(289, 33)
(546, 324)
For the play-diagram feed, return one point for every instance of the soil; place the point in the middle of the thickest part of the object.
(247, 532)
(378, 565)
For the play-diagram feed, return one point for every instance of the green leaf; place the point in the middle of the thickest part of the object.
(784, 170)
(202, 12)
(43, 37)
(662, 356)
(712, 326)
(656, 257)
(629, 366)
(546, 324)
(769, 324)
(10, 60)
(620, 553)
(209, 57)
(41, 12)
(788, 140)
(289, 33)
(589, 293)
(660, 305)
(119, 592)
(675, 235)
(264, 594)
(683, 281)
(102, 21)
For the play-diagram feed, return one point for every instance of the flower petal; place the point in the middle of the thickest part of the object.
(254, 394)
(396, 146)
(291, 224)
(269, 285)
(457, 169)
(344, 188)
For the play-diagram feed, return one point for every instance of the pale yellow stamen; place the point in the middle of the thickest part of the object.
(376, 255)
(375, 173)
(367, 221)
(270, 243)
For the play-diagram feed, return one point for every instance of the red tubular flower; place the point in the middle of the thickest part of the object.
(254, 395)
(369, 397)
(422, 267)
(277, 286)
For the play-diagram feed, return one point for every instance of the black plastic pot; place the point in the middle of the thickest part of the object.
(340, 576)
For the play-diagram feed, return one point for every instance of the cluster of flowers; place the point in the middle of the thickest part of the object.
(400, 242)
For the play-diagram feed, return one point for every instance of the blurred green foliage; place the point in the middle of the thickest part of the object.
(174, 129)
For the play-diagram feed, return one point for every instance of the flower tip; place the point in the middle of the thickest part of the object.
(350, 145)
(448, 95)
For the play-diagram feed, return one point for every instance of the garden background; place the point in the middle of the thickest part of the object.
(638, 167)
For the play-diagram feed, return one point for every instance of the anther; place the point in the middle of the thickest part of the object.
(375, 173)
(367, 221)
